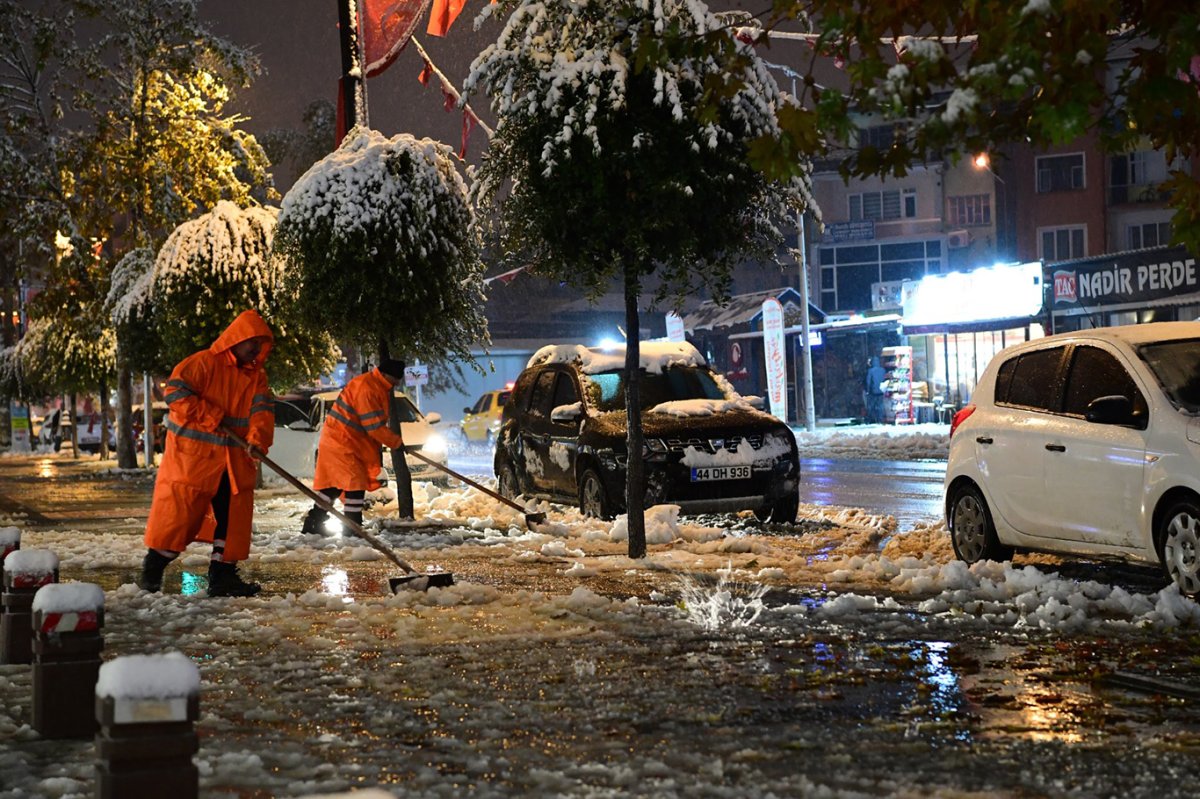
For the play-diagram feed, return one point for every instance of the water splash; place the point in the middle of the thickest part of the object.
(727, 604)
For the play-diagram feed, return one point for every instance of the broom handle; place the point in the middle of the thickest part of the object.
(322, 503)
(468, 481)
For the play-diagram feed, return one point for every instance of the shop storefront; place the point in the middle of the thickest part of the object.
(956, 323)
(1155, 285)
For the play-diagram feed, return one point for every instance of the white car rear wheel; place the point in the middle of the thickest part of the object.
(972, 532)
(1181, 547)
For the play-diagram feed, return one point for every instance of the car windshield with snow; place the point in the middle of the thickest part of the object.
(707, 449)
(1084, 443)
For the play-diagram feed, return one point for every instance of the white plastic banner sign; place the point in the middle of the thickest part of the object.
(675, 330)
(417, 375)
(772, 312)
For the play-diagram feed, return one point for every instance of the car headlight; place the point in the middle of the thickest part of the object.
(435, 446)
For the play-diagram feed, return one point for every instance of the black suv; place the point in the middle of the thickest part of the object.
(562, 436)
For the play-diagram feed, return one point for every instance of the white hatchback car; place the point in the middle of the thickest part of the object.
(298, 423)
(1084, 444)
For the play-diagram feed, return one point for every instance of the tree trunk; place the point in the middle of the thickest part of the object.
(104, 406)
(635, 471)
(400, 472)
(74, 425)
(126, 453)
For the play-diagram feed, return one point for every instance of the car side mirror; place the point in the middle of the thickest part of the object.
(567, 413)
(466, 410)
(433, 418)
(1114, 409)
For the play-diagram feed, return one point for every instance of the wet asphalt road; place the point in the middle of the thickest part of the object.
(892, 703)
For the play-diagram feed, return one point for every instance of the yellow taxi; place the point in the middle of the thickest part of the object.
(481, 421)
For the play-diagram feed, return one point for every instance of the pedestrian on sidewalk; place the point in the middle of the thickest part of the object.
(205, 484)
(348, 455)
(873, 389)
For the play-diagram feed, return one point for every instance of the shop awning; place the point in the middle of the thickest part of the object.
(743, 309)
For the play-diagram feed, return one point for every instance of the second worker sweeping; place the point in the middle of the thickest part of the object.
(348, 454)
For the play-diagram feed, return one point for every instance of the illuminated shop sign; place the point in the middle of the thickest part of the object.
(999, 292)
(1127, 278)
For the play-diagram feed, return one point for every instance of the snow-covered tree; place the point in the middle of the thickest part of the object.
(603, 167)
(964, 78)
(382, 249)
(209, 271)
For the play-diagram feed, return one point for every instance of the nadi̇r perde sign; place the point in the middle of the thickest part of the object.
(1134, 277)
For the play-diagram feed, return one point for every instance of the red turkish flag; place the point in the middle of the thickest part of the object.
(386, 27)
(443, 15)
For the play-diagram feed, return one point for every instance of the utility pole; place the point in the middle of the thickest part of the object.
(810, 414)
(354, 81)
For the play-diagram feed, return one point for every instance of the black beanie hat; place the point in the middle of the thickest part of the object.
(393, 368)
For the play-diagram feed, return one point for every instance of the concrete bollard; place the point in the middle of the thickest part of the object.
(25, 571)
(67, 618)
(147, 706)
(10, 541)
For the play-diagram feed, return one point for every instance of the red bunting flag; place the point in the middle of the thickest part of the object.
(426, 74)
(386, 27)
(443, 15)
(469, 122)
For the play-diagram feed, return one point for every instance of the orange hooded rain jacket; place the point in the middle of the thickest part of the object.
(348, 455)
(207, 390)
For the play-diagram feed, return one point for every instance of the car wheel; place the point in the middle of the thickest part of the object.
(1179, 542)
(593, 499)
(507, 482)
(782, 511)
(972, 532)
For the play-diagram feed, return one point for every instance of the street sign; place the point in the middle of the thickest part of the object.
(675, 330)
(417, 375)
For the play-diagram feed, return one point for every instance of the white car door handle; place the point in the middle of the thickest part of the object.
(983, 439)
(1056, 448)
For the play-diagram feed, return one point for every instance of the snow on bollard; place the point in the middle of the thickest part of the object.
(25, 571)
(10, 541)
(147, 706)
(67, 618)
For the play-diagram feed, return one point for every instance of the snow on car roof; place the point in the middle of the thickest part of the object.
(654, 356)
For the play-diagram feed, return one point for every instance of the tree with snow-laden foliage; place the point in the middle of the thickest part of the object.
(381, 248)
(972, 77)
(209, 271)
(149, 144)
(603, 167)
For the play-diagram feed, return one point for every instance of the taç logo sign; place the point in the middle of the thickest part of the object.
(1065, 287)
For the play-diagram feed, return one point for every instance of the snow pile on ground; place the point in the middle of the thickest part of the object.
(885, 442)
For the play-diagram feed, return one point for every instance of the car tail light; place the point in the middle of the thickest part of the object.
(961, 417)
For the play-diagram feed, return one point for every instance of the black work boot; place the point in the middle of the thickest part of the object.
(153, 566)
(223, 580)
(356, 517)
(314, 522)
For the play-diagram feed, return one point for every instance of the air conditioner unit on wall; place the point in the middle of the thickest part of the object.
(958, 238)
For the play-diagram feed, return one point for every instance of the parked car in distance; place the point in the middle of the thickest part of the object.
(158, 415)
(1084, 444)
(707, 449)
(481, 421)
(298, 420)
(87, 431)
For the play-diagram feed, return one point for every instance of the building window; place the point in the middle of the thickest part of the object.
(1136, 177)
(849, 271)
(880, 205)
(1062, 243)
(968, 210)
(880, 137)
(1059, 172)
(1150, 234)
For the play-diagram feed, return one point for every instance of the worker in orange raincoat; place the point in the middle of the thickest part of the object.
(348, 454)
(205, 484)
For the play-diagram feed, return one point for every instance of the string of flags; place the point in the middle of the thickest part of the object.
(450, 97)
(505, 277)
